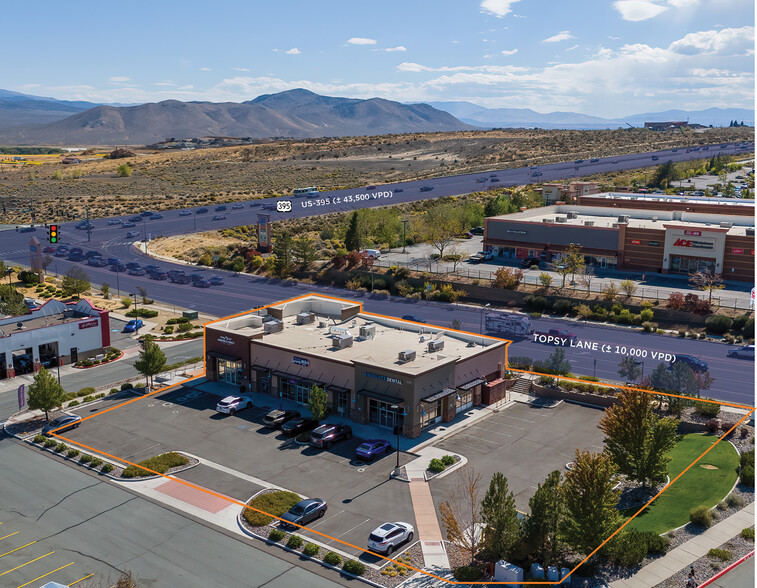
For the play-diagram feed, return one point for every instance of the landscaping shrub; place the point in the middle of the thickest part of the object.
(332, 558)
(537, 303)
(100, 395)
(72, 453)
(727, 427)
(184, 327)
(561, 306)
(507, 278)
(713, 425)
(50, 443)
(113, 391)
(746, 474)
(448, 460)
(656, 543)
(168, 330)
(520, 362)
(739, 322)
(276, 535)
(96, 462)
(354, 567)
(60, 447)
(160, 463)
(89, 390)
(707, 409)
(142, 313)
(39, 438)
(749, 329)
(107, 468)
(127, 386)
(630, 547)
(748, 533)
(718, 324)
(467, 574)
(311, 550)
(734, 501)
(721, 554)
(701, 516)
(177, 321)
(295, 542)
(88, 398)
(86, 458)
(436, 465)
(73, 403)
(275, 503)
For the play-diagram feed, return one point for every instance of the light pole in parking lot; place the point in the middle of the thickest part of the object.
(481, 319)
(396, 410)
(136, 316)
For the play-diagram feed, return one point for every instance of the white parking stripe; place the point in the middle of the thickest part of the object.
(324, 519)
(353, 528)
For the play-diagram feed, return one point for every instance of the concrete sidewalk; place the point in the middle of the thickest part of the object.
(684, 555)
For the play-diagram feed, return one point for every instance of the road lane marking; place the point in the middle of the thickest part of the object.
(27, 563)
(11, 535)
(45, 575)
(17, 548)
(84, 578)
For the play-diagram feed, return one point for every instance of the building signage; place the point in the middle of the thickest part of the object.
(383, 378)
(635, 242)
(300, 361)
(737, 251)
(654, 243)
(88, 324)
(694, 244)
(693, 233)
(516, 232)
(225, 340)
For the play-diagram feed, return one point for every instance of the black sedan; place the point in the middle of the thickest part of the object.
(297, 426)
(65, 422)
(413, 318)
(304, 511)
(276, 418)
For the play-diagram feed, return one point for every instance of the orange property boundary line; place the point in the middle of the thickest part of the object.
(345, 543)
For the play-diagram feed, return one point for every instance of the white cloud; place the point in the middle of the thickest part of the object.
(241, 69)
(165, 83)
(561, 36)
(498, 8)
(417, 67)
(573, 47)
(683, 3)
(723, 42)
(614, 38)
(397, 48)
(293, 51)
(636, 10)
(361, 41)
(118, 79)
(509, 52)
(455, 42)
(205, 69)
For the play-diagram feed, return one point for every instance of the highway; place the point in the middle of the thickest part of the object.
(733, 378)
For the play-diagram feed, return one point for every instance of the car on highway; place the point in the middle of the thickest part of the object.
(655, 158)
(132, 234)
(59, 252)
(745, 352)
(694, 363)
(132, 265)
(413, 318)
(75, 257)
(276, 417)
(156, 216)
(304, 512)
(387, 537)
(65, 422)
(297, 426)
(529, 261)
(82, 226)
(146, 213)
(254, 204)
(115, 221)
(269, 207)
(578, 161)
(91, 253)
(398, 190)
(372, 448)
(97, 262)
(117, 267)
(202, 210)
(536, 174)
(219, 217)
(477, 231)
(201, 283)
(237, 206)
(133, 325)
(150, 267)
(480, 180)
(370, 187)
(594, 160)
(495, 179)
(220, 208)
(195, 277)
(137, 271)
(232, 404)
(216, 281)
(129, 225)
(135, 219)
(158, 275)
(179, 279)
(185, 213)
(426, 188)
(112, 260)
(325, 436)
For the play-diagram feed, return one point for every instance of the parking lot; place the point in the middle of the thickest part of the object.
(360, 495)
(524, 443)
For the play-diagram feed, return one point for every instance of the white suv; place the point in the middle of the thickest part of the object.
(387, 537)
(232, 404)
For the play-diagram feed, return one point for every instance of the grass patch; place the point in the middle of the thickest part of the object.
(275, 503)
(160, 463)
(698, 486)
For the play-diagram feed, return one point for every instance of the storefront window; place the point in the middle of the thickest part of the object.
(380, 413)
(296, 390)
(464, 400)
(431, 413)
(230, 371)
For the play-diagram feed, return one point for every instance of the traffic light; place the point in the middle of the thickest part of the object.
(52, 233)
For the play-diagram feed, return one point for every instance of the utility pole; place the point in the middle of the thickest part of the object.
(404, 241)
(89, 229)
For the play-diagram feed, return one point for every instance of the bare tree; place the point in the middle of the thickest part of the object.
(461, 512)
(46, 261)
(707, 281)
(585, 278)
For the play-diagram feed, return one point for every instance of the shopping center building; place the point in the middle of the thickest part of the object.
(366, 363)
(664, 237)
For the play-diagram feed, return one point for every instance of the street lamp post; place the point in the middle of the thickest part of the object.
(396, 410)
(135, 309)
(481, 319)
(404, 241)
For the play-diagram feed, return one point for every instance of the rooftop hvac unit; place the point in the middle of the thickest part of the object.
(436, 345)
(322, 324)
(615, 225)
(341, 342)
(623, 218)
(561, 219)
(273, 326)
(750, 230)
(573, 214)
(588, 223)
(654, 219)
(407, 355)
(546, 220)
(368, 331)
(726, 225)
(305, 318)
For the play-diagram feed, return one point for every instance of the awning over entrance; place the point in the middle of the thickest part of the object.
(223, 356)
(439, 395)
(472, 383)
(302, 381)
(382, 397)
(337, 389)
(260, 368)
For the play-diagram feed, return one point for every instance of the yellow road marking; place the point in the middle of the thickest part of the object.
(17, 548)
(80, 579)
(27, 563)
(47, 574)
(11, 535)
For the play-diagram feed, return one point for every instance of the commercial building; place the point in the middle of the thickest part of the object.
(667, 240)
(553, 193)
(366, 363)
(55, 333)
(727, 206)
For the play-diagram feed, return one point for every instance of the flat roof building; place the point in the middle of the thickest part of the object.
(366, 363)
(667, 240)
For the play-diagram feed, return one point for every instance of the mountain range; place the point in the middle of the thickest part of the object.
(26, 119)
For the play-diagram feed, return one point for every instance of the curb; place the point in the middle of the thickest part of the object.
(87, 367)
(71, 459)
(728, 569)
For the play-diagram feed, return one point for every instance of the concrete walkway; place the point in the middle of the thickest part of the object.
(426, 523)
(684, 555)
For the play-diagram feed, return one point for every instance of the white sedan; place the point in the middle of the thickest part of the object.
(387, 537)
(232, 404)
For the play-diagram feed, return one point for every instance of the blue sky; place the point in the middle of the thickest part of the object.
(601, 57)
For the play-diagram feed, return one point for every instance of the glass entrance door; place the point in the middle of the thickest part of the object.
(230, 372)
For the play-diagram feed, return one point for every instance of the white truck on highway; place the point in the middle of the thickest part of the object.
(509, 324)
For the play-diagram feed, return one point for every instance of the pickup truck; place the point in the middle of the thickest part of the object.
(481, 256)
(555, 337)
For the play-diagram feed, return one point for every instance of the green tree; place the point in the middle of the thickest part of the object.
(638, 440)
(679, 379)
(45, 393)
(707, 280)
(304, 251)
(151, 360)
(282, 251)
(502, 529)
(500, 204)
(590, 501)
(352, 238)
(105, 290)
(75, 282)
(318, 402)
(573, 260)
(664, 175)
(124, 170)
(555, 363)
(629, 369)
(542, 526)
(441, 224)
(11, 301)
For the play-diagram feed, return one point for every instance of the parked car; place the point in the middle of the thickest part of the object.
(387, 537)
(466, 235)
(132, 265)
(185, 213)
(231, 404)
(745, 352)
(297, 426)
(137, 271)
(201, 283)
(276, 418)
(219, 217)
(326, 435)
(529, 261)
(304, 511)
(372, 253)
(129, 225)
(372, 448)
(216, 281)
(694, 363)
(481, 256)
(413, 318)
(133, 325)
(477, 231)
(62, 423)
